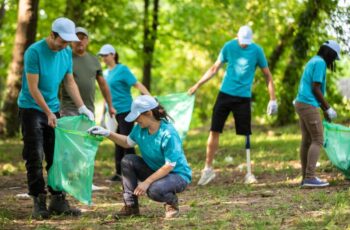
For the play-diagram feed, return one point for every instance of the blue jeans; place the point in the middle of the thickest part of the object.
(38, 144)
(164, 190)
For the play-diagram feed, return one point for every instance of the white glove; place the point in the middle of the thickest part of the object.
(272, 107)
(98, 130)
(331, 113)
(87, 112)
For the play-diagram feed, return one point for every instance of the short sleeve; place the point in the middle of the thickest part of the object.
(134, 133)
(319, 72)
(69, 61)
(129, 77)
(262, 62)
(31, 61)
(223, 55)
(98, 67)
(172, 148)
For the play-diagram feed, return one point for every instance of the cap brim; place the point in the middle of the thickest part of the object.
(132, 116)
(69, 37)
(245, 41)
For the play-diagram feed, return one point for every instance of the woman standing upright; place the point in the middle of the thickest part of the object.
(310, 97)
(120, 80)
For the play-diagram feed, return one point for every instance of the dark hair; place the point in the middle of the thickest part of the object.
(55, 34)
(159, 113)
(328, 55)
(116, 57)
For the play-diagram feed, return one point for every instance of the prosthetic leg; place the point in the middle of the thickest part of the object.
(249, 177)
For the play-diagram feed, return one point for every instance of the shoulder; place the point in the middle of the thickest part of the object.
(168, 130)
(92, 57)
(231, 43)
(318, 61)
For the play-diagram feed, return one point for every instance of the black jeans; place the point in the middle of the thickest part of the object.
(124, 128)
(38, 144)
(164, 190)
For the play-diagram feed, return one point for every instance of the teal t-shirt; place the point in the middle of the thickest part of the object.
(241, 66)
(161, 147)
(120, 79)
(315, 71)
(51, 67)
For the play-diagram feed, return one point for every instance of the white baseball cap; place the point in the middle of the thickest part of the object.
(334, 46)
(82, 30)
(65, 29)
(106, 49)
(245, 35)
(140, 105)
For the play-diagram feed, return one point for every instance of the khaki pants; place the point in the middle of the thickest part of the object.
(312, 137)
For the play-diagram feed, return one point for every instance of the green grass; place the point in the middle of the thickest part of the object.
(276, 202)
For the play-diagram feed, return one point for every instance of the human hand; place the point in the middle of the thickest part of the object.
(84, 110)
(98, 130)
(52, 120)
(141, 189)
(192, 90)
(111, 111)
(272, 107)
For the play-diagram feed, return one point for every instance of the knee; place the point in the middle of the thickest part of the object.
(155, 193)
(128, 160)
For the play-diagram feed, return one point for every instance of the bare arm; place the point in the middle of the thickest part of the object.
(106, 94)
(316, 90)
(119, 139)
(269, 82)
(73, 90)
(33, 81)
(206, 77)
(141, 189)
(142, 88)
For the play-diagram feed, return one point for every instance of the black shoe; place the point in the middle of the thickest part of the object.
(39, 209)
(115, 178)
(59, 205)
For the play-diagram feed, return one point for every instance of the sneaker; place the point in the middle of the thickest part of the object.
(207, 176)
(314, 183)
(171, 211)
(115, 178)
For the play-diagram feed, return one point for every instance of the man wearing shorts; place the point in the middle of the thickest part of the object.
(242, 57)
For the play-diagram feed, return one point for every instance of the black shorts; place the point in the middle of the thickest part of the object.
(241, 109)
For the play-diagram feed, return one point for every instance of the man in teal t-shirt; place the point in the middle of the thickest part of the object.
(242, 57)
(47, 63)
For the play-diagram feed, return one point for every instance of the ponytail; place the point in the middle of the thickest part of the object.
(159, 113)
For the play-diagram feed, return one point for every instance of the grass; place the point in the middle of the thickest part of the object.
(275, 202)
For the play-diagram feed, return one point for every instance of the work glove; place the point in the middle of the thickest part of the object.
(331, 113)
(86, 112)
(272, 107)
(98, 130)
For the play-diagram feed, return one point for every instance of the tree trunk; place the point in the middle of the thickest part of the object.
(25, 35)
(298, 57)
(75, 11)
(149, 40)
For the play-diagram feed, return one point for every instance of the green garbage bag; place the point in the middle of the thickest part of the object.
(74, 156)
(337, 146)
(180, 107)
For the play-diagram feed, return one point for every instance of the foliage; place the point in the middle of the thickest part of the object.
(190, 36)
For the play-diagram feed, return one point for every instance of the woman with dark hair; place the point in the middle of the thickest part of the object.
(120, 80)
(162, 170)
(310, 97)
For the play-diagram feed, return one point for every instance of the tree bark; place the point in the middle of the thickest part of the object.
(25, 36)
(75, 11)
(149, 40)
(2, 15)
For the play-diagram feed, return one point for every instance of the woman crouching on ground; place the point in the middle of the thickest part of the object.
(162, 170)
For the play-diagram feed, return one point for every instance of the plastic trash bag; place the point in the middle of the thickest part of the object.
(74, 157)
(180, 107)
(337, 146)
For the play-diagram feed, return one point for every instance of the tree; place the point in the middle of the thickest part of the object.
(301, 45)
(149, 40)
(25, 36)
(75, 10)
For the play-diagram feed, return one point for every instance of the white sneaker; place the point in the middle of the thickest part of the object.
(207, 176)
